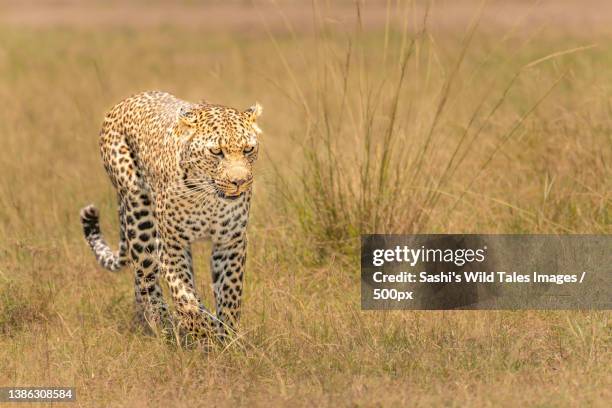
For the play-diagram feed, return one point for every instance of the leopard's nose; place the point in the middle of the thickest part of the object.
(239, 182)
(238, 176)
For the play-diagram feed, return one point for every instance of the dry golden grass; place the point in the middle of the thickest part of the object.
(305, 341)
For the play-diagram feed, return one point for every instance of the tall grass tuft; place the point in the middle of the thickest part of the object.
(391, 136)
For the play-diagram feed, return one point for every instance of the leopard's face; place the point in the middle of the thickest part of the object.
(221, 149)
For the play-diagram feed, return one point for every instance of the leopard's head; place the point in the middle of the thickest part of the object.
(220, 149)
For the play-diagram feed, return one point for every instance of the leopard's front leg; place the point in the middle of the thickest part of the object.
(227, 266)
(176, 264)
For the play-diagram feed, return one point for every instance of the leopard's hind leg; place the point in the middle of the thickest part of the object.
(141, 231)
(138, 228)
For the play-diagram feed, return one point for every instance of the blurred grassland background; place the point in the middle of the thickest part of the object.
(461, 117)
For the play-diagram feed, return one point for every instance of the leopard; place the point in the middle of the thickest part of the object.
(183, 173)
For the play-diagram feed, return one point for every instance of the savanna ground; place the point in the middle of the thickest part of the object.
(496, 121)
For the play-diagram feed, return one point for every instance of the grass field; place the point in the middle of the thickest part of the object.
(494, 124)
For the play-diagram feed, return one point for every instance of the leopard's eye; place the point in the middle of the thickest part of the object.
(216, 152)
(248, 149)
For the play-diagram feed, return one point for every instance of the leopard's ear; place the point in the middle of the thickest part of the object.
(254, 112)
(187, 116)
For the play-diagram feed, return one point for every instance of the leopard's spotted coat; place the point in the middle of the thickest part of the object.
(183, 172)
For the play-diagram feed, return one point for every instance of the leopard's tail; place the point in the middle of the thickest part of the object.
(113, 261)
